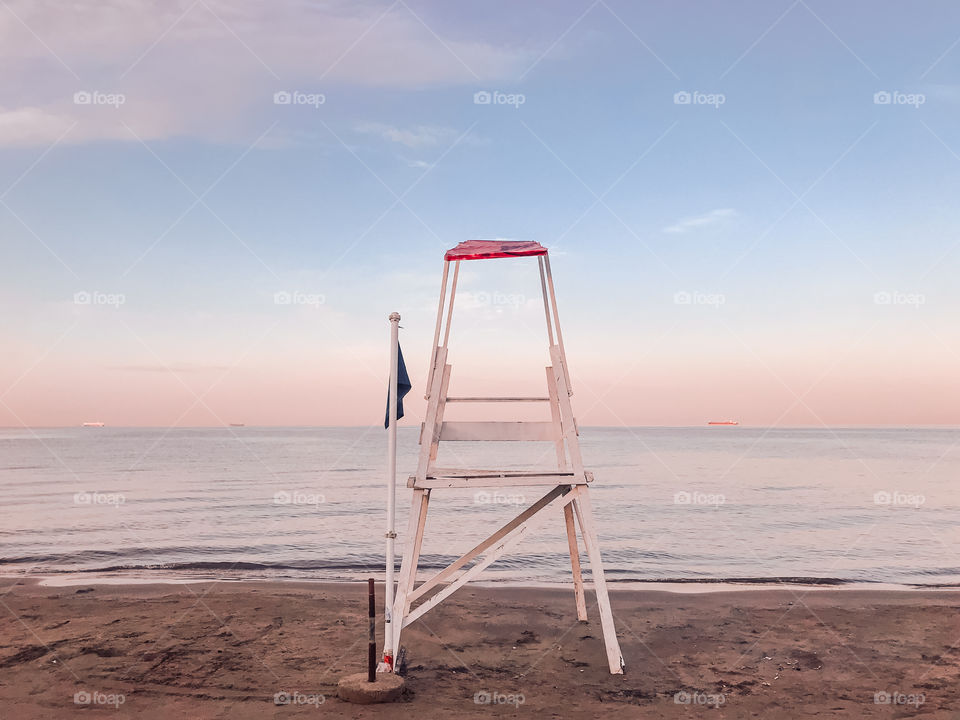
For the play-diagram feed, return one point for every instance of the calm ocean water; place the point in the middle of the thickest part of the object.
(877, 505)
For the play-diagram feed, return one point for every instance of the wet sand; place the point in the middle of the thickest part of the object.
(224, 650)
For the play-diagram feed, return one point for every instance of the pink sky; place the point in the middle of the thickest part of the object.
(657, 392)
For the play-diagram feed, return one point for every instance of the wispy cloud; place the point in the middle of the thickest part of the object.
(31, 126)
(691, 223)
(414, 137)
(211, 69)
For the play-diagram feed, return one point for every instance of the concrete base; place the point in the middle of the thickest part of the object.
(356, 689)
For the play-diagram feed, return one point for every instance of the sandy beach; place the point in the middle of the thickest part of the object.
(218, 650)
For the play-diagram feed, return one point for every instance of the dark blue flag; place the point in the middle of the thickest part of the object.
(403, 387)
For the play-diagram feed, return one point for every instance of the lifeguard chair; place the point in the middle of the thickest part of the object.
(568, 484)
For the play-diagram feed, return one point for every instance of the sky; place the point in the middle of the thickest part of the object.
(209, 209)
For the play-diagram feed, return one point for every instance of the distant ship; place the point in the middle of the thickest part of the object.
(93, 424)
(724, 422)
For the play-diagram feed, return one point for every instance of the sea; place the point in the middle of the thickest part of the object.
(828, 506)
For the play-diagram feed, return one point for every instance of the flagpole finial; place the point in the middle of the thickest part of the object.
(394, 317)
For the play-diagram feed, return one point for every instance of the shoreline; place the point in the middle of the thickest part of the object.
(118, 586)
(676, 585)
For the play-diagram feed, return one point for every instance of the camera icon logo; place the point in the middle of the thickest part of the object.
(282, 98)
(681, 98)
(482, 97)
(882, 98)
(82, 698)
(82, 98)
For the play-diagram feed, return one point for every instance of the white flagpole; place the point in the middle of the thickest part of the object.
(388, 651)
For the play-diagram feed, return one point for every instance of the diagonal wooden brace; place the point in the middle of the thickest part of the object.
(482, 547)
(501, 542)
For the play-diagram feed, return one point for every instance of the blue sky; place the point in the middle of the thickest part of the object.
(812, 226)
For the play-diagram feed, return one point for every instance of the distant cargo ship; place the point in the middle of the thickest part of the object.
(93, 424)
(724, 422)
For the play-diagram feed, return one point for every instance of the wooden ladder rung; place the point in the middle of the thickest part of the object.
(497, 399)
(485, 472)
(497, 478)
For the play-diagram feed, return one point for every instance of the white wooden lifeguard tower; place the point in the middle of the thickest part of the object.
(568, 484)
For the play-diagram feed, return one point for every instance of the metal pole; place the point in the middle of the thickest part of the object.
(372, 648)
(391, 491)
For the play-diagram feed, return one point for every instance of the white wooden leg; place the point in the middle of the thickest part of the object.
(557, 423)
(438, 422)
(431, 431)
(575, 563)
(408, 568)
(614, 657)
(566, 411)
